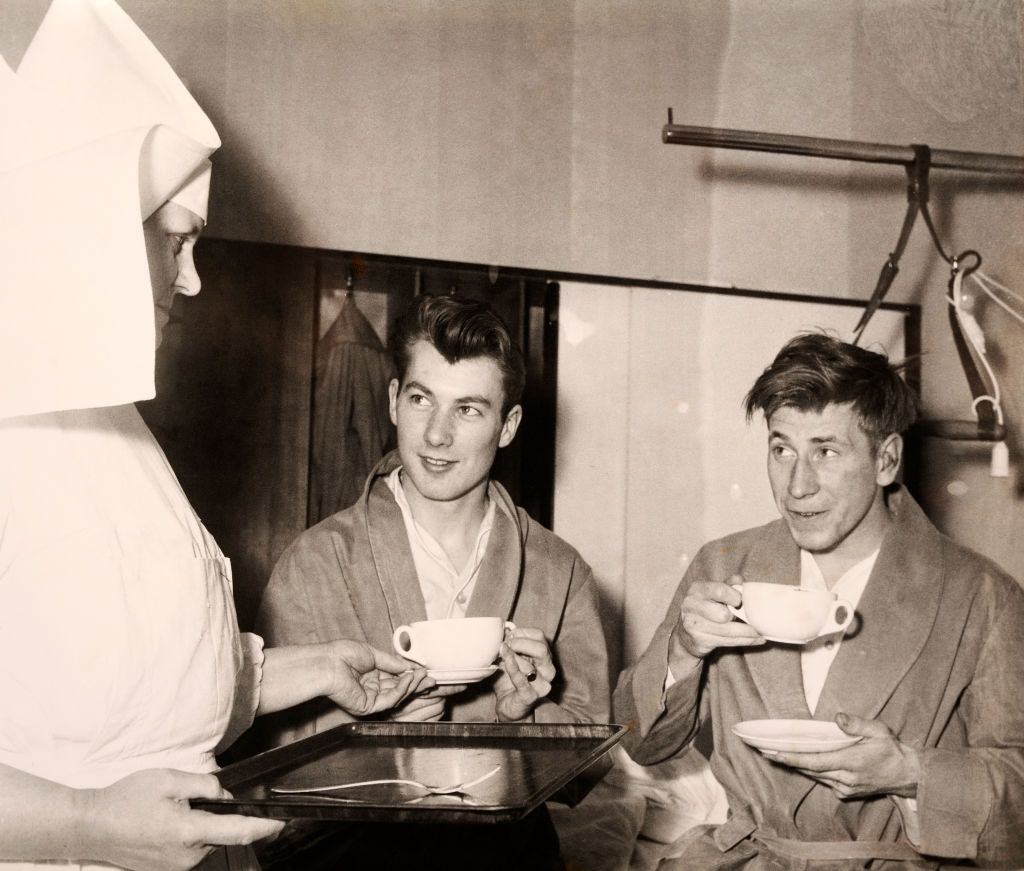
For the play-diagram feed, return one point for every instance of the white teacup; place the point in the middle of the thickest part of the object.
(456, 644)
(792, 615)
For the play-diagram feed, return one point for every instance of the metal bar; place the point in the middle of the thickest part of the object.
(837, 149)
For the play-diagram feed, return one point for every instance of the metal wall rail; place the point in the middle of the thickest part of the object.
(837, 149)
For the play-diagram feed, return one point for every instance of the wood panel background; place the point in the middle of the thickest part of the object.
(232, 412)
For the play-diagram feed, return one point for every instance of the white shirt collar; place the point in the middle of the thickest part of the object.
(446, 590)
(816, 656)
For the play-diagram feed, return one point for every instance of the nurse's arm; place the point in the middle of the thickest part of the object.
(357, 677)
(142, 821)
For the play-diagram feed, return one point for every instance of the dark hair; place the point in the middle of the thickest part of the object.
(815, 369)
(460, 329)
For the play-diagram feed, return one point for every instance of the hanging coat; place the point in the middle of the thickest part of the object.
(351, 426)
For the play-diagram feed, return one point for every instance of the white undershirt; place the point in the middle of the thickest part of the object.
(816, 656)
(446, 590)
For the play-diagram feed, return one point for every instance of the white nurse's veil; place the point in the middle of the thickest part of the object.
(97, 133)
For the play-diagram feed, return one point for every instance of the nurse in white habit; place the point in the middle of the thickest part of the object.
(122, 670)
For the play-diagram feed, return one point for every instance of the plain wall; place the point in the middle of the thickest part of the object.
(527, 134)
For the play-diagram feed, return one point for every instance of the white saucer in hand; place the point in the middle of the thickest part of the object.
(443, 677)
(794, 736)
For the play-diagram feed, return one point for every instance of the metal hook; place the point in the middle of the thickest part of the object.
(973, 267)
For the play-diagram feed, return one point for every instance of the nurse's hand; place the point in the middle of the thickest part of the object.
(366, 680)
(144, 822)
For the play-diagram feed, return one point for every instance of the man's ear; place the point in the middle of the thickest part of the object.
(393, 400)
(511, 424)
(888, 458)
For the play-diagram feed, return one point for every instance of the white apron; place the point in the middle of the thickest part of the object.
(119, 646)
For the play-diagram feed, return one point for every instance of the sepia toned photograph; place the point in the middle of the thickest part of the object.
(512, 435)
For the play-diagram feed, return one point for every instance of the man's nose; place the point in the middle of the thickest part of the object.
(187, 281)
(439, 431)
(803, 481)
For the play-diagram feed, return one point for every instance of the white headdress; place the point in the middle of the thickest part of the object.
(96, 133)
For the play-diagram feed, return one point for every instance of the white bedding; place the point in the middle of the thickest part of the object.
(630, 819)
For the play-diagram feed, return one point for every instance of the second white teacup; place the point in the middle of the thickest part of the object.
(455, 644)
(792, 615)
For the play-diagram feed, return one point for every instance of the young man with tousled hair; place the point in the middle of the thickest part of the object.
(925, 677)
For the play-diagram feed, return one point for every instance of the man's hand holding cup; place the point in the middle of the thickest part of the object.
(706, 623)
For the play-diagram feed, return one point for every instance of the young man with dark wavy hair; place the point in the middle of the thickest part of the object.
(434, 537)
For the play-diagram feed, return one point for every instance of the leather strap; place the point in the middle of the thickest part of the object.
(917, 200)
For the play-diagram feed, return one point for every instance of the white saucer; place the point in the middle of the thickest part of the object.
(461, 675)
(794, 736)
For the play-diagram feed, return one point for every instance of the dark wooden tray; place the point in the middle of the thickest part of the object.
(536, 759)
